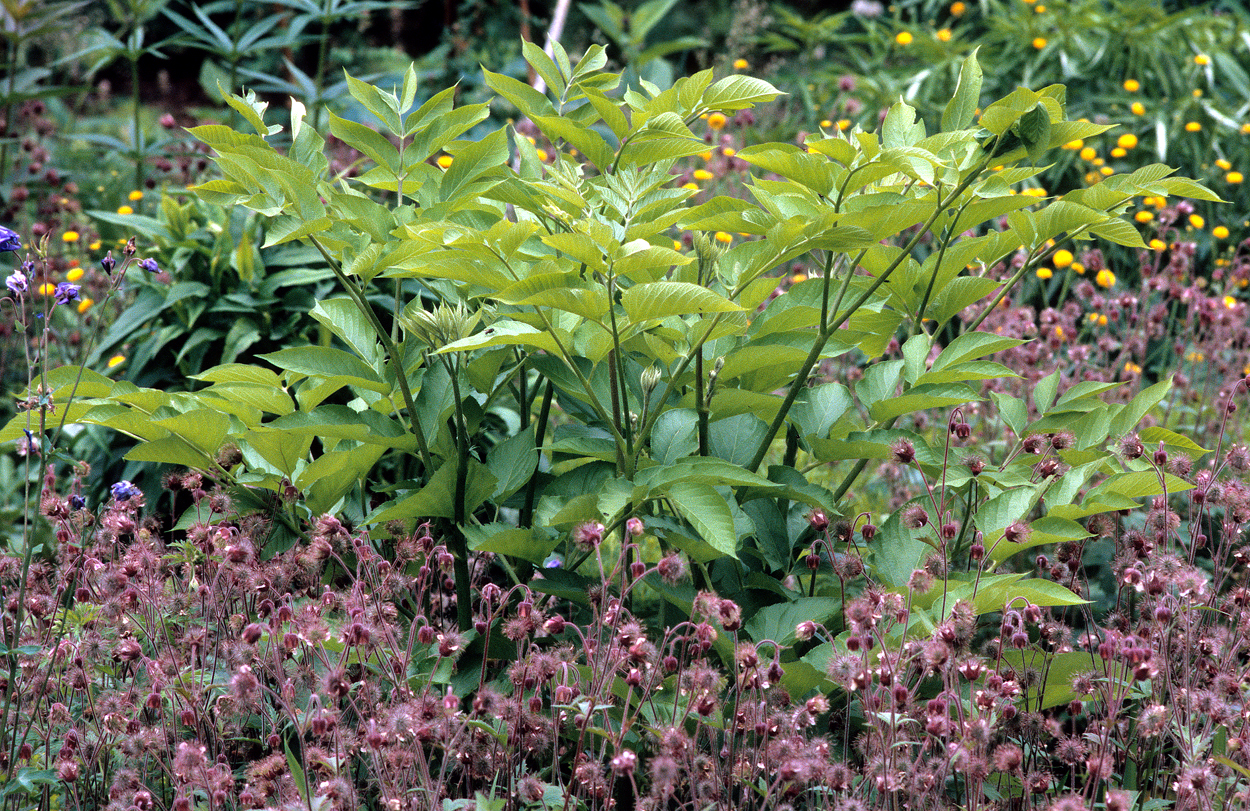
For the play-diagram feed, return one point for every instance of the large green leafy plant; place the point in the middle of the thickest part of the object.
(480, 299)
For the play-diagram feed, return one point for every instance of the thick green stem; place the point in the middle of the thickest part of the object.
(392, 351)
(459, 546)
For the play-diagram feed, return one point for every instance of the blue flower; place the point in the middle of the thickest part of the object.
(17, 282)
(66, 292)
(9, 240)
(149, 265)
(124, 491)
(77, 502)
(108, 263)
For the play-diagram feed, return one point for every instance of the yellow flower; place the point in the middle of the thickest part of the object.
(903, 38)
(1193, 126)
(74, 275)
(1157, 244)
(1230, 302)
(1132, 368)
(676, 246)
(729, 152)
(1044, 273)
(724, 236)
(1144, 216)
(95, 246)
(1091, 178)
(1138, 108)
(1202, 59)
(125, 210)
(1132, 85)
(1089, 153)
(116, 360)
(1245, 129)
(1234, 177)
(1196, 220)
(703, 174)
(135, 196)
(47, 289)
(958, 9)
(1119, 152)
(717, 121)
(1102, 320)
(1078, 268)
(691, 185)
(444, 161)
(826, 124)
(1040, 9)
(69, 236)
(1105, 278)
(1159, 202)
(1126, 141)
(1075, 146)
(1098, 161)
(798, 277)
(85, 304)
(1219, 232)
(1107, 171)
(741, 64)
(1062, 258)
(1223, 164)
(844, 124)
(542, 154)
(1059, 332)
(944, 35)
(1039, 43)
(707, 156)
(1197, 92)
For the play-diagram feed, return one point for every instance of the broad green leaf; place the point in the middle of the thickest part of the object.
(330, 363)
(962, 108)
(738, 93)
(708, 512)
(282, 449)
(171, 450)
(674, 435)
(437, 498)
(653, 300)
(1138, 407)
(918, 398)
(819, 408)
(973, 345)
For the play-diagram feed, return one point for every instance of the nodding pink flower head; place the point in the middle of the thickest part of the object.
(588, 535)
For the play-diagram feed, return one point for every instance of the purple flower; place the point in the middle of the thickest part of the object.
(66, 292)
(17, 282)
(124, 491)
(108, 263)
(149, 265)
(77, 502)
(9, 240)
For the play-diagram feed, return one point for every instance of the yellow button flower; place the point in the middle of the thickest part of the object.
(1193, 126)
(135, 196)
(74, 275)
(1062, 258)
(1202, 59)
(1223, 164)
(1234, 177)
(958, 9)
(1132, 85)
(692, 186)
(1138, 108)
(724, 236)
(1039, 43)
(1230, 302)
(116, 360)
(903, 38)
(1075, 146)
(542, 154)
(1196, 220)
(729, 152)
(1044, 273)
(47, 289)
(1157, 244)
(740, 64)
(1078, 268)
(826, 124)
(1119, 152)
(707, 156)
(1144, 216)
(444, 161)
(1126, 141)
(125, 210)
(703, 174)
(1105, 278)
(69, 236)
(944, 35)
(1089, 153)
(844, 124)
(1219, 232)
(85, 304)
